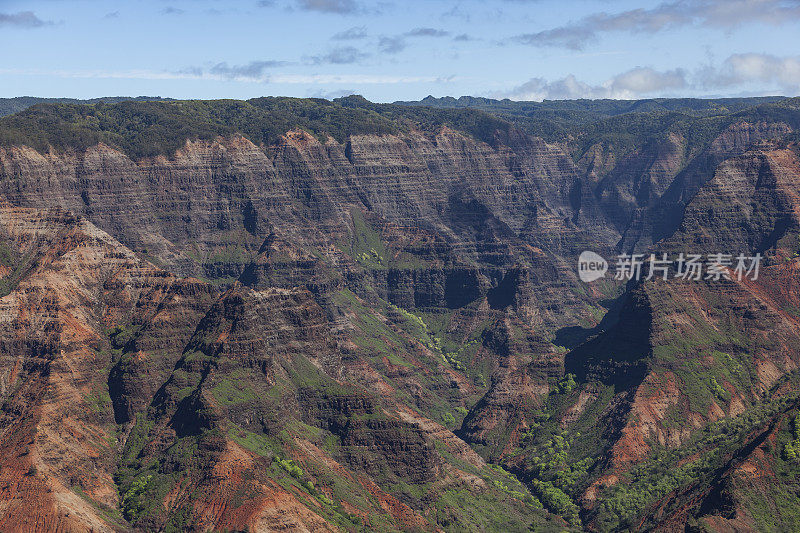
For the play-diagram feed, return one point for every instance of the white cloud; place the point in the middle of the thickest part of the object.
(632, 84)
(350, 79)
(22, 19)
(745, 69)
(252, 71)
(765, 73)
(352, 34)
(341, 55)
(725, 14)
(329, 6)
(646, 81)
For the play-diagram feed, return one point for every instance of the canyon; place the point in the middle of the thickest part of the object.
(312, 315)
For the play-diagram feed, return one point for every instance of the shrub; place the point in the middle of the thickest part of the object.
(567, 384)
(132, 501)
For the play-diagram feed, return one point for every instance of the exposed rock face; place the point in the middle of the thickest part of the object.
(706, 350)
(95, 339)
(757, 192)
(71, 284)
(372, 320)
(645, 193)
(207, 211)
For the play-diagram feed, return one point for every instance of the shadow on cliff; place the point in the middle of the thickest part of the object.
(615, 352)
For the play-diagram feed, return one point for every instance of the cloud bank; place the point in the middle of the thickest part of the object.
(725, 14)
(22, 19)
(738, 71)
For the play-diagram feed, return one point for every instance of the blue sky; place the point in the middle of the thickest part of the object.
(399, 49)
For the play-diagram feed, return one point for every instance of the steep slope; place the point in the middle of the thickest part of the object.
(251, 398)
(686, 381)
(302, 184)
(114, 413)
(390, 311)
(66, 284)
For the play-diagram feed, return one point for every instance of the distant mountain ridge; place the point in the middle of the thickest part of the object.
(9, 106)
(607, 107)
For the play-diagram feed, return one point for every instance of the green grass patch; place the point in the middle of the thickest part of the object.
(233, 389)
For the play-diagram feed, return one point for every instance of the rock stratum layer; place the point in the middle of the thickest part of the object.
(375, 322)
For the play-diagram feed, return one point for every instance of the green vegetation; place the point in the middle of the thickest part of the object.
(556, 465)
(99, 399)
(775, 506)
(132, 503)
(554, 472)
(376, 337)
(389, 335)
(566, 385)
(451, 353)
(291, 468)
(19, 265)
(257, 443)
(121, 335)
(625, 503)
(371, 258)
(509, 484)
(148, 128)
(417, 327)
(722, 361)
(113, 515)
(9, 106)
(311, 480)
(367, 247)
(461, 510)
(559, 463)
(8, 258)
(151, 128)
(718, 390)
(232, 389)
(623, 125)
(791, 450)
(480, 125)
(144, 482)
(556, 501)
